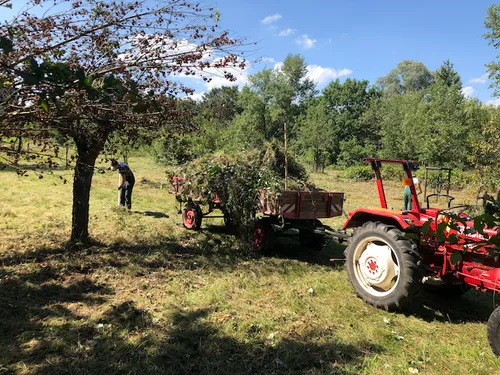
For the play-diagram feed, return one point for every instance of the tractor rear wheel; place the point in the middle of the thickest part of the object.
(493, 331)
(382, 265)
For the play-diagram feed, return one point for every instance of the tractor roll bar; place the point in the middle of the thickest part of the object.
(408, 166)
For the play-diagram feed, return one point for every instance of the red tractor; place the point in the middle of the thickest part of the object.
(389, 255)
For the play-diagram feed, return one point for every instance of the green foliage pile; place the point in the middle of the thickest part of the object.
(236, 179)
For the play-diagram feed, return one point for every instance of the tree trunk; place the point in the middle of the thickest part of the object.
(84, 170)
(316, 161)
(20, 146)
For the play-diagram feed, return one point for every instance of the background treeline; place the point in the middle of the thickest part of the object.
(412, 113)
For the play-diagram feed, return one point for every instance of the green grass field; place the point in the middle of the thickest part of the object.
(155, 298)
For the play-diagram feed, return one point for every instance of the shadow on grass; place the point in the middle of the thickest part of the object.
(127, 340)
(288, 247)
(186, 253)
(473, 306)
(156, 215)
(56, 316)
(34, 318)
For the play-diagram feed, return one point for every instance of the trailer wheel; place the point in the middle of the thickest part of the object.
(192, 216)
(311, 241)
(263, 236)
(493, 331)
(382, 266)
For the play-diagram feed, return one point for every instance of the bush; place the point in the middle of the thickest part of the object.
(357, 173)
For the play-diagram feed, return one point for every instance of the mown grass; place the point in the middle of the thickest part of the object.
(155, 298)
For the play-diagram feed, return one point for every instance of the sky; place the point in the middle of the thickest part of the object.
(365, 39)
(362, 39)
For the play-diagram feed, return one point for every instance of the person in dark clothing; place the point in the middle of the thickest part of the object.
(126, 184)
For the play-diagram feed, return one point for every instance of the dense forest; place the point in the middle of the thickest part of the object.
(411, 113)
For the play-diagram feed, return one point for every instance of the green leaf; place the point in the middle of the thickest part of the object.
(452, 239)
(45, 105)
(441, 227)
(29, 79)
(33, 65)
(455, 257)
(411, 236)
(141, 107)
(6, 44)
(426, 228)
(479, 224)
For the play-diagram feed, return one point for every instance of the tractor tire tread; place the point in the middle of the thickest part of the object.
(410, 283)
(493, 331)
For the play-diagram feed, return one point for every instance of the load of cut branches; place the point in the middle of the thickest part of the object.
(236, 179)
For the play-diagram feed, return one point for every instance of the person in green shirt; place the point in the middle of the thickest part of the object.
(407, 194)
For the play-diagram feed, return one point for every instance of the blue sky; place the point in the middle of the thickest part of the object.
(361, 39)
(365, 39)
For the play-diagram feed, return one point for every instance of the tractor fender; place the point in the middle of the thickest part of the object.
(390, 217)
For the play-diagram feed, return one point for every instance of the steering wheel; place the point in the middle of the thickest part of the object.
(450, 198)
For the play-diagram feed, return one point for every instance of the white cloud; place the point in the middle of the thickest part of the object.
(197, 96)
(286, 32)
(468, 91)
(241, 77)
(215, 77)
(270, 19)
(268, 59)
(481, 79)
(493, 102)
(322, 75)
(306, 42)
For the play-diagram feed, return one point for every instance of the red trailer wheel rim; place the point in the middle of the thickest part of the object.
(189, 217)
(259, 237)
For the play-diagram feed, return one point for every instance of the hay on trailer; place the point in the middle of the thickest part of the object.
(236, 179)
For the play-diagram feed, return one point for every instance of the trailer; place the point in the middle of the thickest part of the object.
(275, 213)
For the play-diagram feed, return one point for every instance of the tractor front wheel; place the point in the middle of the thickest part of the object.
(382, 265)
(191, 216)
